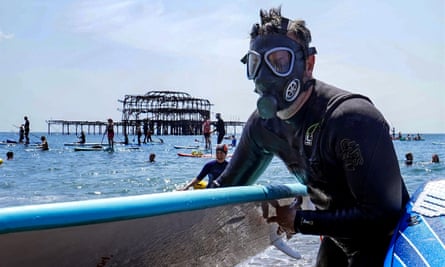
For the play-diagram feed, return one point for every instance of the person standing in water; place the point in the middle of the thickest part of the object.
(44, 143)
(152, 157)
(138, 132)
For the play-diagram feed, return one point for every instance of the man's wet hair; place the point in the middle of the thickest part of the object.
(273, 23)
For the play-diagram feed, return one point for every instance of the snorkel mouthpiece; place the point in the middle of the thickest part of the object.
(267, 107)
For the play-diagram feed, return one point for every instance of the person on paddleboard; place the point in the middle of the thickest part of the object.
(213, 168)
(82, 138)
(335, 142)
(26, 129)
(21, 133)
(206, 132)
(110, 133)
(220, 128)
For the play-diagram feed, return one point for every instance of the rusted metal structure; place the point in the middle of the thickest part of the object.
(166, 112)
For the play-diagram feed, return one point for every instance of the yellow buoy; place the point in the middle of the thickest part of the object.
(1, 161)
(200, 185)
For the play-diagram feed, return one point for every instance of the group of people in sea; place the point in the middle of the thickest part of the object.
(408, 137)
(219, 128)
(24, 133)
(409, 158)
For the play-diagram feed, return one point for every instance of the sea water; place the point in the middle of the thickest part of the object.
(62, 174)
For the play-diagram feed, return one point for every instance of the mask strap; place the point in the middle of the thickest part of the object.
(284, 25)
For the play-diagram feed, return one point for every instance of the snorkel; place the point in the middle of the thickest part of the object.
(277, 64)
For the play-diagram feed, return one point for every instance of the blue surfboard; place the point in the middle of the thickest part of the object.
(420, 236)
(183, 228)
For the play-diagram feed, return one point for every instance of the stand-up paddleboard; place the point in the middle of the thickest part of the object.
(438, 143)
(200, 155)
(420, 236)
(89, 148)
(186, 228)
(186, 147)
(82, 144)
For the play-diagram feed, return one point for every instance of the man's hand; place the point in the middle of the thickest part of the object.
(214, 184)
(285, 216)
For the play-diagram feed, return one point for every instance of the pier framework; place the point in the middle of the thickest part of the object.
(165, 112)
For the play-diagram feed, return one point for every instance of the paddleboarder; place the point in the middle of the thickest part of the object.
(21, 133)
(110, 133)
(26, 129)
(220, 128)
(82, 138)
(206, 132)
(333, 141)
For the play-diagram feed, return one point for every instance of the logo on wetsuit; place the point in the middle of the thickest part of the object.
(352, 156)
(309, 135)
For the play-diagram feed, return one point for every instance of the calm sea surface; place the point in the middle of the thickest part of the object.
(62, 174)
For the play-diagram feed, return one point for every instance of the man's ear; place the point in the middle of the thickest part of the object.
(310, 63)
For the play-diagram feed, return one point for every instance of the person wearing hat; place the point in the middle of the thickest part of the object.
(212, 168)
(333, 141)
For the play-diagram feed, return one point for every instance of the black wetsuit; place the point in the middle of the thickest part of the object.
(212, 169)
(345, 155)
(220, 128)
(27, 131)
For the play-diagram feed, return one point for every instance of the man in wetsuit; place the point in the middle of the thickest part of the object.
(26, 125)
(220, 128)
(212, 168)
(336, 143)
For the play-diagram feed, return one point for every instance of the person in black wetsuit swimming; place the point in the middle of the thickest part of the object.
(212, 168)
(335, 142)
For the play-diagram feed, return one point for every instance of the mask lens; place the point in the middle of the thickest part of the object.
(253, 64)
(280, 60)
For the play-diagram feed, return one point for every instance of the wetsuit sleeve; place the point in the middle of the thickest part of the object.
(204, 171)
(249, 159)
(364, 188)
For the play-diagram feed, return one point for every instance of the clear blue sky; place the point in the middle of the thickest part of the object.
(73, 60)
